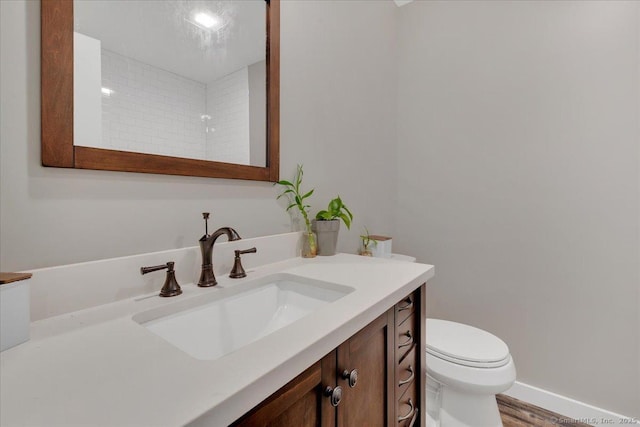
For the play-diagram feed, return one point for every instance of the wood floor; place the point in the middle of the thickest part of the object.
(516, 413)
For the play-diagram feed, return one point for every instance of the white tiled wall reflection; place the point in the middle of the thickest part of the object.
(228, 109)
(151, 110)
(146, 109)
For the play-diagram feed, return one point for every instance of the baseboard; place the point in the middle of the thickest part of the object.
(570, 408)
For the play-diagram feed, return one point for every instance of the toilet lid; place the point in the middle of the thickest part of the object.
(465, 345)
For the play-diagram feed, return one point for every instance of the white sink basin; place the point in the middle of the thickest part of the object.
(216, 324)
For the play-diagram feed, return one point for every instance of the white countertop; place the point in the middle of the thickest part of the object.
(98, 367)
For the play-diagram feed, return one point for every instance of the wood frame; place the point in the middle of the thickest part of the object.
(57, 110)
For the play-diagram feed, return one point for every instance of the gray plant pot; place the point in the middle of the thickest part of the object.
(327, 232)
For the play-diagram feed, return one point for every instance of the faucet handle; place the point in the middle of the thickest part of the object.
(168, 266)
(171, 287)
(246, 251)
(237, 271)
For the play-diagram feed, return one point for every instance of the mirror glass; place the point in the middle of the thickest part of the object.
(181, 78)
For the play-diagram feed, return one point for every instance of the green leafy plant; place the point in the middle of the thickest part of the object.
(336, 209)
(367, 240)
(297, 197)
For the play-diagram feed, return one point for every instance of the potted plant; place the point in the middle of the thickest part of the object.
(297, 197)
(366, 242)
(327, 225)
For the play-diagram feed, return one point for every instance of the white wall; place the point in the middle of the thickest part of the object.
(338, 59)
(334, 110)
(518, 178)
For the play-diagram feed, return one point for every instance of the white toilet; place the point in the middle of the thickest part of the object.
(466, 368)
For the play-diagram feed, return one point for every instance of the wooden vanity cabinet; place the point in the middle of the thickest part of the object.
(386, 388)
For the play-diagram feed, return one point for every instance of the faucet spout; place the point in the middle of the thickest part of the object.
(207, 277)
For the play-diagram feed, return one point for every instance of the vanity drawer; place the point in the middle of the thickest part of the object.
(410, 353)
(406, 372)
(405, 337)
(405, 308)
(408, 412)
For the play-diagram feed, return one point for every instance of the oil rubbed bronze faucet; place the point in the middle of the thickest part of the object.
(207, 278)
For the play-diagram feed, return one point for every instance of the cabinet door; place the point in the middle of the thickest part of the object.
(299, 403)
(368, 402)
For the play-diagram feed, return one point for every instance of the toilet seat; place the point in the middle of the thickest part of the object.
(465, 345)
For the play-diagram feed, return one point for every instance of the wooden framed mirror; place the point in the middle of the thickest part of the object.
(57, 108)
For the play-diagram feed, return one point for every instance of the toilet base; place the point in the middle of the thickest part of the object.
(448, 407)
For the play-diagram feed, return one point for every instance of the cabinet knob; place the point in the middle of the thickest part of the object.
(334, 394)
(351, 376)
